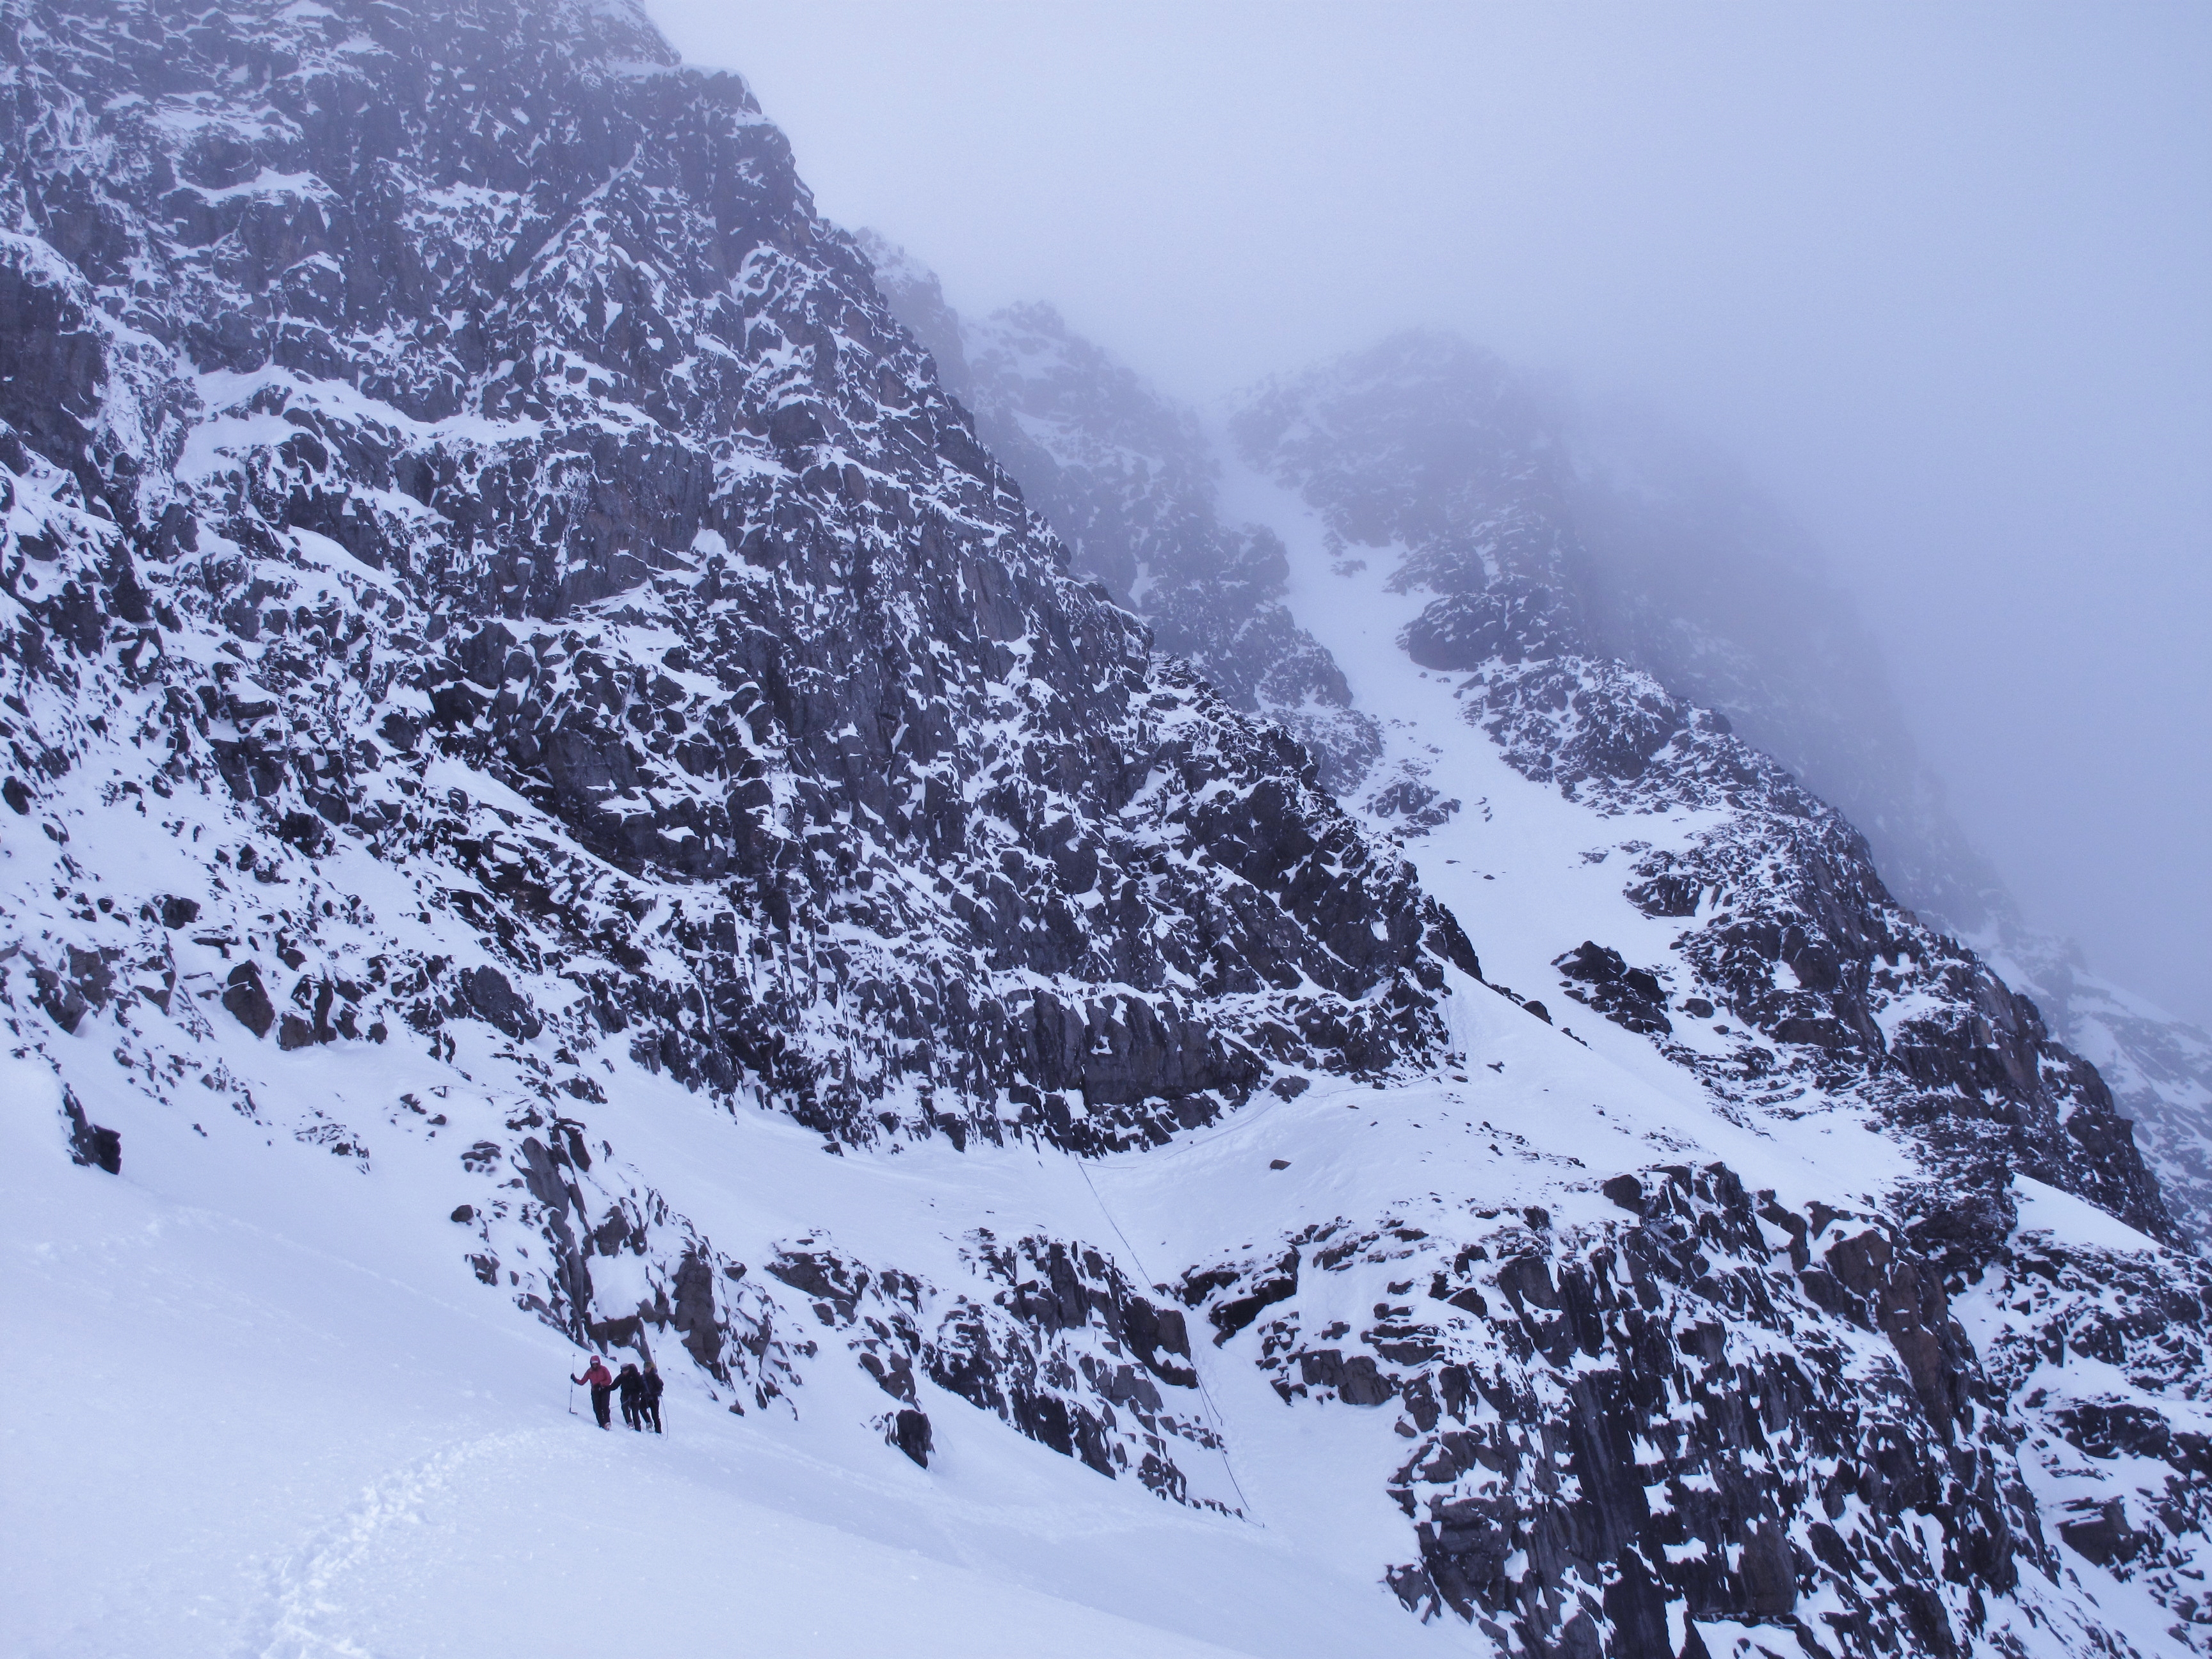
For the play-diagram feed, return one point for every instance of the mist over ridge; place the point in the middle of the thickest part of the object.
(1929, 282)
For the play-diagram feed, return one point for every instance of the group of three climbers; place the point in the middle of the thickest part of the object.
(640, 1390)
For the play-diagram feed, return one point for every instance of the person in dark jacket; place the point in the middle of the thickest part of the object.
(603, 1386)
(633, 1395)
(649, 1406)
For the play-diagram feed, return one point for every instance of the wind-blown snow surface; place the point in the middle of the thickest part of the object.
(557, 797)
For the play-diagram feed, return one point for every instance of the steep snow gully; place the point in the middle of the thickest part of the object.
(1250, 1081)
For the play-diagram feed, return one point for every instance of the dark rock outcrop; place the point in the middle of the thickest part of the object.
(1125, 479)
(854, 789)
(1631, 997)
(1708, 1435)
(90, 1145)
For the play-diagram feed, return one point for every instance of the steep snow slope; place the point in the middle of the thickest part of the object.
(1537, 854)
(559, 797)
(366, 1442)
(1665, 559)
(485, 576)
(1655, 555)
(1612, 541)
(295, 1425)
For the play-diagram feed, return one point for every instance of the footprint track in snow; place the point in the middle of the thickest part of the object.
(307, 1617)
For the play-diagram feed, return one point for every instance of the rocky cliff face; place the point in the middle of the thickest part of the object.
(1572, 607)
(503, 622)
(2159, 1068)
(569, 445)
(1534, 541)
(1558, 555)
(1667, 560)
(1776, 919)
(1129, 481)
(538, 504)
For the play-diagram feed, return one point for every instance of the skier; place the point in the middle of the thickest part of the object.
(649, 1407)
(602, 1386)
(633, 1394)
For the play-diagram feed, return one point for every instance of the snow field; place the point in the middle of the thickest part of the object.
(271, 1422)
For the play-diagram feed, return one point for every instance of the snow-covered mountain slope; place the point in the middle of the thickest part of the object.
(294, 1424)
(1534, 535)
(1734, 927)
(1665, 559)
(558, 797)
(1450, 483)
(485, 575)
(693, 560)
(1604, 534)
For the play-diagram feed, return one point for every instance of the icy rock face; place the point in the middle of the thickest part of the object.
(684, 1288)
(1787, 923)
(1719, 1404)
(448, 439)
(1053, 1339)
(1628, 609)
(2119, 1449)
(1047, 1336)
(1537, 527)
(1699, 579)
(1719, 1410)
(1836, 996)
(1126, 480)
(568, 443)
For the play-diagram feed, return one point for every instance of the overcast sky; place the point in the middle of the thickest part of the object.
(1940, 276)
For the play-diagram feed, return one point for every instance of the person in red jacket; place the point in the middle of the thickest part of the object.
(603, 1386)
